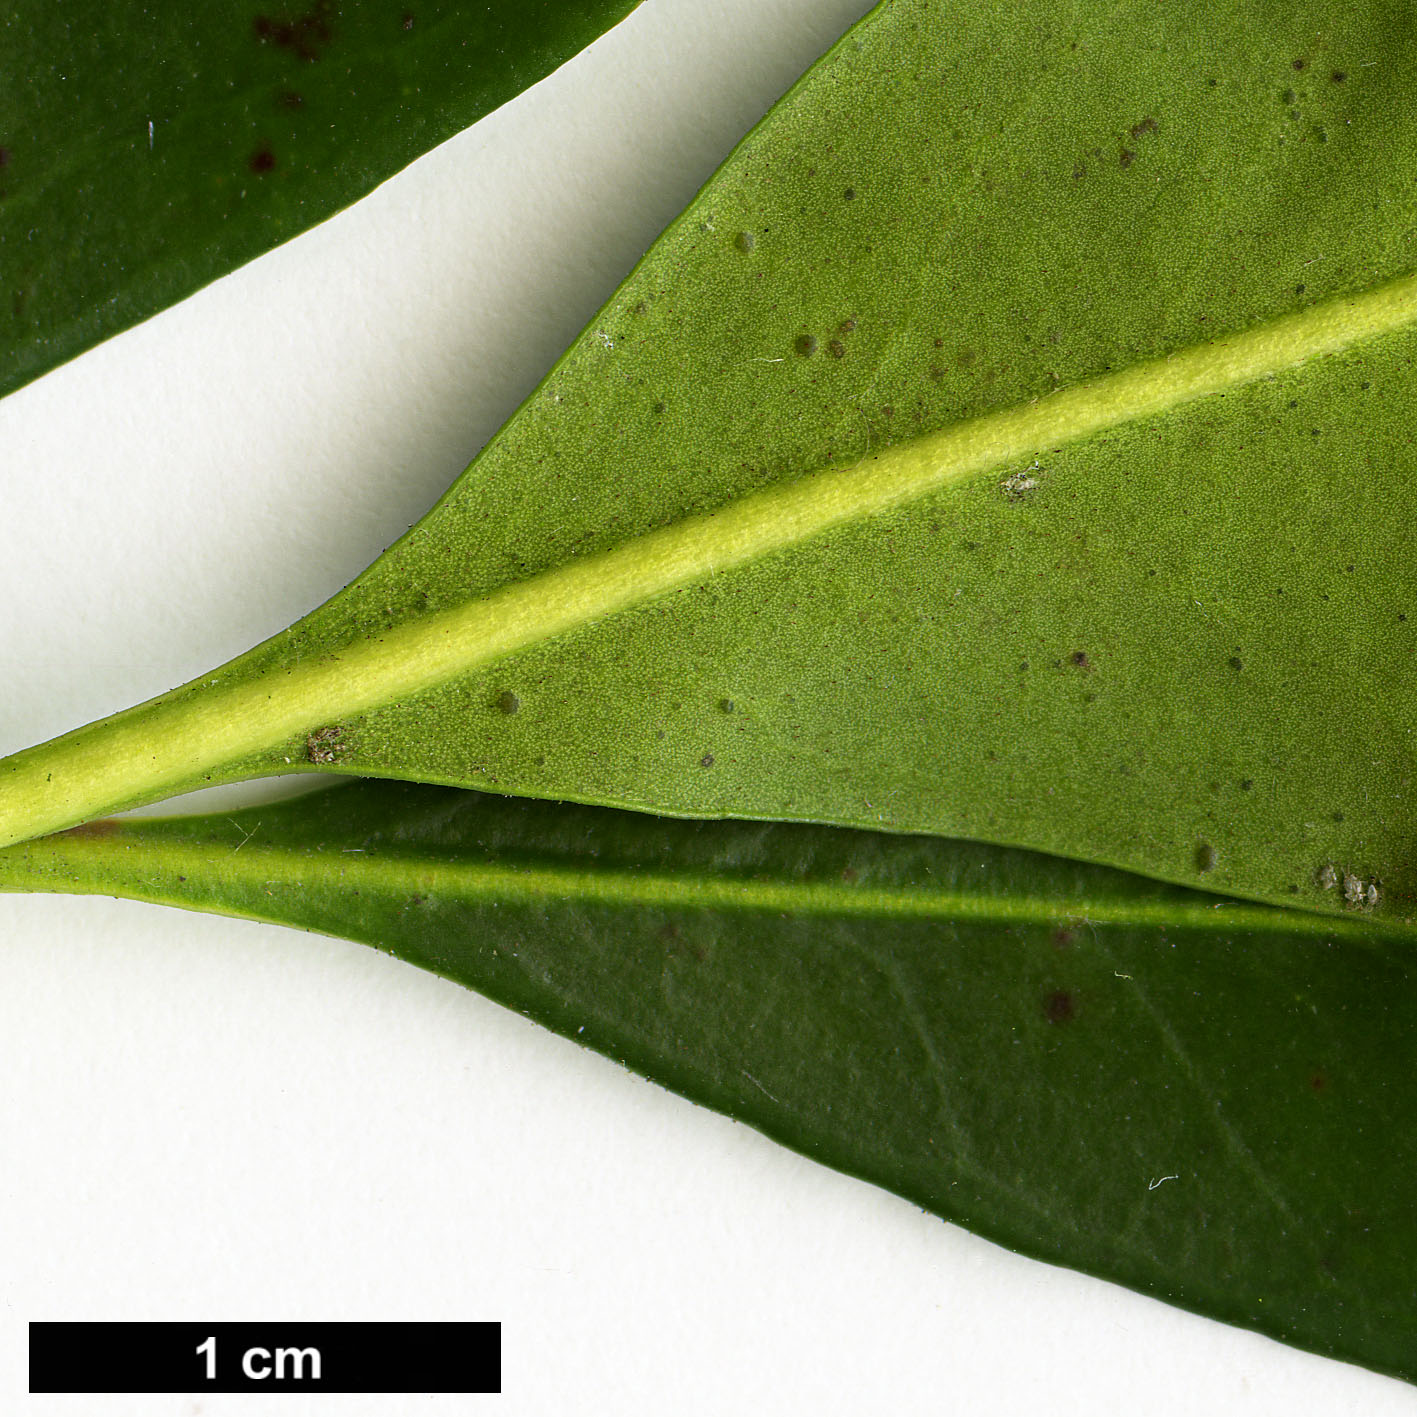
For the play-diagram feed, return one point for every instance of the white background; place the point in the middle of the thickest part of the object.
(207, 1119)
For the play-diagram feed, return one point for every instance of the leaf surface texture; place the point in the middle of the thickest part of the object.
(1117, 311)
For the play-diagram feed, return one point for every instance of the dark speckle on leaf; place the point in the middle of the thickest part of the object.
(835, 348)
(806, 345)
(850, 194)
(507, 702)
(1140, 130)
(4, 157)
(306, 36)
(1236, 663)
(1338, 76)
(1127, 158)
(407, 21)
(263, 159)
(1300, 63)
(1205, 856)
(706, 761)
(1080, 660)
(1059, 1007)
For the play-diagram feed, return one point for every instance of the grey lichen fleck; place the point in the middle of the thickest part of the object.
(1017, 485)
(326, 745)
(1361, 894)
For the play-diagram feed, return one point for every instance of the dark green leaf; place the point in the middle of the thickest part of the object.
(143, 152)
(1208, 1101)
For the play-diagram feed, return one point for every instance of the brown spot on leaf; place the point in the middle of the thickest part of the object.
(1318, 1082)
(1140, 130)
(4, 157)
(835, 348)
(1080, 660)
(1059, 1007)
(105, 826)
(849, 875)
(407, 21)
(263, 159)
(1064, 936)
(706, 761)
(291, 99)
(1127, 158)
(306, 36)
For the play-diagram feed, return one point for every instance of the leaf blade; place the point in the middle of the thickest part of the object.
(1029, 1077)
(138, 167)
(996, 668)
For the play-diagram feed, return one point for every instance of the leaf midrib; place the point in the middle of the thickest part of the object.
(171, 742)
(144, 866)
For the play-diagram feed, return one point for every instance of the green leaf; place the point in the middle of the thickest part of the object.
(1012, 441)
(141, 157)
(1208, 1101)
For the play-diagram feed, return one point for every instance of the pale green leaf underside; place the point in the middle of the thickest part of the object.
(1155, 268)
